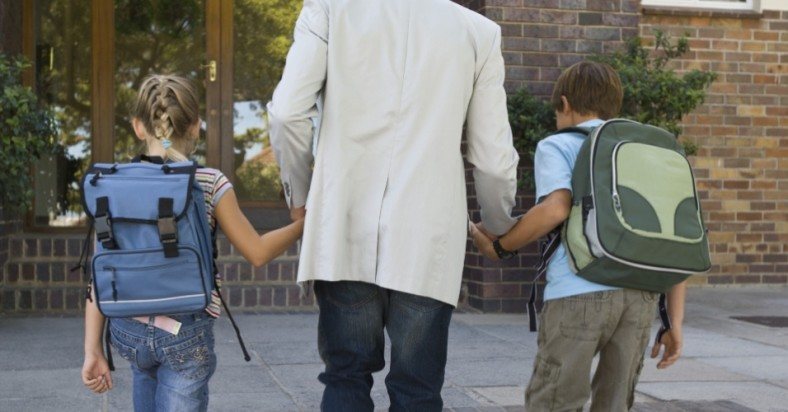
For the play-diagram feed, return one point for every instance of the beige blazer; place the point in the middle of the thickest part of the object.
(397, 80)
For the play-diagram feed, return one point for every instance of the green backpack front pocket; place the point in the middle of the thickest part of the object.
(654, 194)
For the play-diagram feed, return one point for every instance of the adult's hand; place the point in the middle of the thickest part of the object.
(484, 231)
(298, 213)
(483, 242)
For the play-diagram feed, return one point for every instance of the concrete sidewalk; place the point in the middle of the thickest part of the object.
(728, 364)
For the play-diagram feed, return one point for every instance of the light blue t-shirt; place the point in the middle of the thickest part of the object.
(553, 163)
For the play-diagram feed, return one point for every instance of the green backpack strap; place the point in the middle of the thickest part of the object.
(576, 129)
(547, 248)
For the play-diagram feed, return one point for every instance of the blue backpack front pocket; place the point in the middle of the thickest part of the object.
(141, 283)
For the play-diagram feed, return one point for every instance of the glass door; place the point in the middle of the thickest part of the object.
(155, 37)
(90, 58)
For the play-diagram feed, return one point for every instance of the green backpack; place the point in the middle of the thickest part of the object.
(635, 220)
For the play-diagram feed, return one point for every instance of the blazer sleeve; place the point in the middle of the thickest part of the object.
(490, 148)
(293, 108)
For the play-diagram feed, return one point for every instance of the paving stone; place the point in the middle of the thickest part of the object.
(756, 367)
(692, 406)
(50, 403)
(42, 357)
(265, 401)
(243, 379)
(700, 343)
(270, 328)
(489, 372)
(502, 395)
(755, 395)
(277, 353)
(688, 369)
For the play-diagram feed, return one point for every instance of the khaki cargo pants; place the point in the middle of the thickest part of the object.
(616, 325)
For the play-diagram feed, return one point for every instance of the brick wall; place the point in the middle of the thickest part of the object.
(742, 131)
(37, 277)
(542, 37)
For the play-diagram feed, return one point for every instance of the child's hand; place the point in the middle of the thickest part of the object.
(95, 373)
(483, 243)
(672, 341)
(298, 213)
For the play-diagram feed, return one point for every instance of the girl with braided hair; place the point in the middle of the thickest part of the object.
(172, 367)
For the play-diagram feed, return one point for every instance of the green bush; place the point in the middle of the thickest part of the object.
(27, 132)
(653, 94)
(531, 119)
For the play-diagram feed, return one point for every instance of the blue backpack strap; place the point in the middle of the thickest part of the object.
(168, 231)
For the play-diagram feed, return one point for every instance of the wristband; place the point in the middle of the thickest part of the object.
(501, 252)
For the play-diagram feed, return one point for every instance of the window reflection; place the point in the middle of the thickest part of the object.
(155, 37)
(63, 83)
(263, 34)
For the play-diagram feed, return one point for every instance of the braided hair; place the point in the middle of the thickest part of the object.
(168, 107)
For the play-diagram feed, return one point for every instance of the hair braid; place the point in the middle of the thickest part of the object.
(168, 107)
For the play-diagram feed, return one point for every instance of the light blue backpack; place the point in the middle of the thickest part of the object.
(154, 249)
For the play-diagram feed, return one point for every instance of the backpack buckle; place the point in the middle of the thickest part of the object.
(103, 226)
(168, 231)
(168, 235)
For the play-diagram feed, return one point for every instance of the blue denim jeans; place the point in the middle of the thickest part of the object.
(171, 372)
(351, 343)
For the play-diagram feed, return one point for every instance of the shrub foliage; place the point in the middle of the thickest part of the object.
(27, 131)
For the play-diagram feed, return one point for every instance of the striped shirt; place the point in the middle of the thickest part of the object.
(214, 185)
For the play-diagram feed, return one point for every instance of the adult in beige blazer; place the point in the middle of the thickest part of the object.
(383, 180)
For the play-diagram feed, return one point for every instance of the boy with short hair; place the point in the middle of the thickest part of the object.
(580, 318)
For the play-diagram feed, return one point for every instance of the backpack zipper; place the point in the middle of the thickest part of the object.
(143, 269)
(114, 285)
(616, 197)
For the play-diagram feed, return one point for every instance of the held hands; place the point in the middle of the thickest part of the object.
(298, 213)
(95, 373)
(483, 240)
(672, 341)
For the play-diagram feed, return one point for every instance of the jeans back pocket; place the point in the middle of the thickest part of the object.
(192, 358)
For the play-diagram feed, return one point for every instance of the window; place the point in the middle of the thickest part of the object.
(707, 4)
(62, 46)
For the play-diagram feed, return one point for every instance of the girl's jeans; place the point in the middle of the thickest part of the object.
(171, 372)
